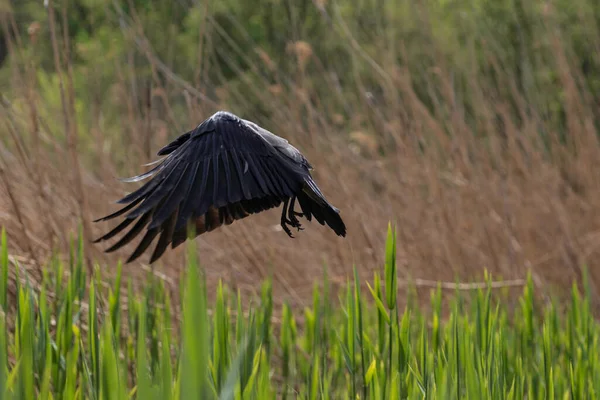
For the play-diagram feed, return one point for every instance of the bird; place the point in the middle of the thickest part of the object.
(225, 169)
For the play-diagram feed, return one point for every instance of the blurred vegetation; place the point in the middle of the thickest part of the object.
(335, 56)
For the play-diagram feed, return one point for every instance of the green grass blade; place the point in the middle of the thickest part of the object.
(144, 387)
(195, 330)
(3, 357)
(26, 345)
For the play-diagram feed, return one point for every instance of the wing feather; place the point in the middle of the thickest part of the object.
(150, 185)
(207, 190)
(168, 227)
(173, 199)
(137, 228)
(124, 224)
(120, 211)
(146, 174)
(159, 193)
(216, 196)
(168, 149)
(239, 174)
(234, 183)
(221, 171)
(143, 245)
(259, 175)
(194, 195)
(275, 183)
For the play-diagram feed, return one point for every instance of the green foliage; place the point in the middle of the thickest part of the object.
(361, 349)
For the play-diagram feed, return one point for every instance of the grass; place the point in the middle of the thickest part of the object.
(78, 337)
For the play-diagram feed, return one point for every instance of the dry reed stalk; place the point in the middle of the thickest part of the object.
(148, 123)
(45, 200)
(33, 164)
(68, 106)
(17, 210)
(201, 66)
(146, 49)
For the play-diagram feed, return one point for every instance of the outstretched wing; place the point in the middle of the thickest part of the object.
(217, 173)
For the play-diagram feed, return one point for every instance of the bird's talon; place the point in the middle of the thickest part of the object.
(293, 222)
(286, 229)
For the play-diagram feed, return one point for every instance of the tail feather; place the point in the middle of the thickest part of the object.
(314, 204)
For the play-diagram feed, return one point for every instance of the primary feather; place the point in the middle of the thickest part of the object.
(225, 169)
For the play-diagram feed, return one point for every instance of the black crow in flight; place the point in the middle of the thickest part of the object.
(223, 170)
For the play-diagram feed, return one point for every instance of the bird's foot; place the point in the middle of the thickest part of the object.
(288, 217)
(294, 223)
(284, 224)
(297, 225)
(286, 229)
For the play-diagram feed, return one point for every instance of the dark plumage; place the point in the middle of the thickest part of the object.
(225, 169)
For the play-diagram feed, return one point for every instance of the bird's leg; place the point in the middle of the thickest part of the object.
(297, 214)
(292, 215)
(284, 220)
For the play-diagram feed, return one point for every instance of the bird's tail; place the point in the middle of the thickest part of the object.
(313, 203)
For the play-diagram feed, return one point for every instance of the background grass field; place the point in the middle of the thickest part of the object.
(471, 125)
